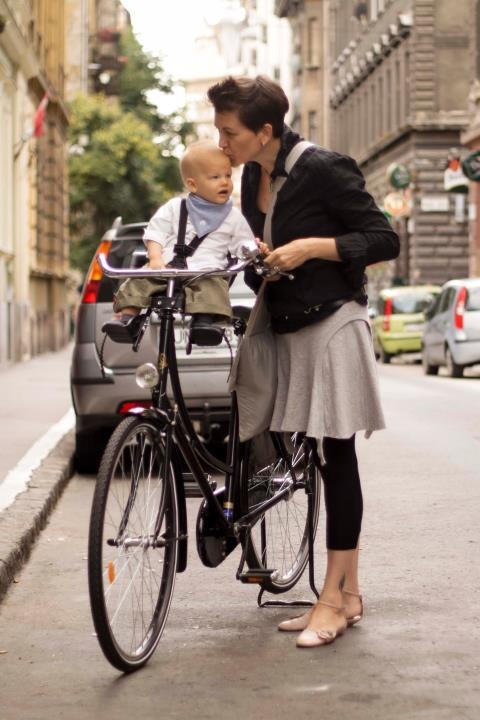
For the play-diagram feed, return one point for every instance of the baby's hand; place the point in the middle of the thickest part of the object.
(263, 247)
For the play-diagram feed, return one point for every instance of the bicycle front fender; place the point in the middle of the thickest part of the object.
(153, 414)
(182, 511)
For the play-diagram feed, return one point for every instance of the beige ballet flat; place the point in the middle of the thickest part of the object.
(315, 638)
(300, 622)
(295, 624)
(354, 619)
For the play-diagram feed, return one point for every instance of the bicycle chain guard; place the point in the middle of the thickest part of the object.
(212, 544)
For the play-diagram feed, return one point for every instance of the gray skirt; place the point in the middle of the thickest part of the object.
(327, 378)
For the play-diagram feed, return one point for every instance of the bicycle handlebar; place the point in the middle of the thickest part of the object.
(251, 255)
(166, 273)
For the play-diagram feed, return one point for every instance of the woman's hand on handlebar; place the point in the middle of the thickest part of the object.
(265, 250)
(289, 256)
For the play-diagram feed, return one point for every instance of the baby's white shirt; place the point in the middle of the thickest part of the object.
(212, 253)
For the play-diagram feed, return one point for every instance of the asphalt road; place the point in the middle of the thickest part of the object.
(415, 655)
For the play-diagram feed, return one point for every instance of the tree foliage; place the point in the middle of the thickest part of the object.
(122, 158)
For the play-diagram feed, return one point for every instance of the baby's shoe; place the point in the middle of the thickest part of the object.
(206, 329)
(123, 329)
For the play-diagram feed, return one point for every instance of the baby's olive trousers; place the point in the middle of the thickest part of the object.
(205, 295)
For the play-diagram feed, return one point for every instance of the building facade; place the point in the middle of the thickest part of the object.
(34, 314)
(309, 94)
(399, 89)
(471, 140)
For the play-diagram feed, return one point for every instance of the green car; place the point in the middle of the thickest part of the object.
(398, 320)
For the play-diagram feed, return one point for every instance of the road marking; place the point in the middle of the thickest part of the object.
(16, 480)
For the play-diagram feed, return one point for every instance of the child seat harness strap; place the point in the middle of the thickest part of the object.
(181, 250)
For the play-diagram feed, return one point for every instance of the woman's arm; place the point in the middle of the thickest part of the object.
(296, 252)
(368, 236)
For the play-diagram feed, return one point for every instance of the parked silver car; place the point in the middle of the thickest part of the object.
(452, 331)
(101, 399)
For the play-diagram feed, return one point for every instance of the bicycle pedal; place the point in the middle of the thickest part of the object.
(258, 575)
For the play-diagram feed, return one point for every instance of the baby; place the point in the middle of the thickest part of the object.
(207, 174)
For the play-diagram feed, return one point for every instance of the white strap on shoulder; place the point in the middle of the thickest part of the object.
(278, 183)
(295, 153)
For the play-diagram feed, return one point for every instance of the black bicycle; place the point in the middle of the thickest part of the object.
(269, 503)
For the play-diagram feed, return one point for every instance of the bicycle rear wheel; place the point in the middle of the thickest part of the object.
(131, 576)
(279, 540)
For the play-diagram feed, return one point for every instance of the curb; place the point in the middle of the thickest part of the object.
(22, 522)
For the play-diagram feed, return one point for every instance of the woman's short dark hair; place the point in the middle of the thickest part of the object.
(257, 100)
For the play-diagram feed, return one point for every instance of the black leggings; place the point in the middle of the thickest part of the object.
(343, 493)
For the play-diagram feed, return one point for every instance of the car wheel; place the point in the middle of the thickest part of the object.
(89, 447)
(427, 368)
(453, 370)
(385, 356)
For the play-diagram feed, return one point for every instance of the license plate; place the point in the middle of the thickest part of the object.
(414, 327)
(181, 338)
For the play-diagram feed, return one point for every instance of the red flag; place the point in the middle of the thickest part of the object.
(40, 116)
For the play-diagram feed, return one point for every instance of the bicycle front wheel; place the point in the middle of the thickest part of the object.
(274, 463)
(133, 544)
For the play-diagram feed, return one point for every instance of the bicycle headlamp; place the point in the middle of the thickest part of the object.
(146, 376)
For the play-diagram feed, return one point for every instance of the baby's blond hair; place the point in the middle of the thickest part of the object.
(195, 154)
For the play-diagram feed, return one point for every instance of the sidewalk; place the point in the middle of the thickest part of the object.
(36, 448)
(35, 395)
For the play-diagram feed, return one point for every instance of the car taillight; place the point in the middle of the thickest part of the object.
(127, 406)
(459, 309)
(387, 311)
(94, 275)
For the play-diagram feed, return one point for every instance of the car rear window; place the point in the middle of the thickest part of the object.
(120, 256)
(473, 299)
(414, 302)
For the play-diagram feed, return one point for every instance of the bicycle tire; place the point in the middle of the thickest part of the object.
(131, 582)
(279, 540)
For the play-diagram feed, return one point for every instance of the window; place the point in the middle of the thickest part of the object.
(373, 118)
(312, 126)
(407, 84)
(398, 93)
(264, 33)
(276, 73)
(313, 37)
(388, 99)
(366, 124)
(473, 299)
(380, 106)
(254, 57)
(414, 302)
(446, 299)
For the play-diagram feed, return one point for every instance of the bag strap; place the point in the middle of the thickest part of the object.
(180, 250)
(259, 317)
(295, 153)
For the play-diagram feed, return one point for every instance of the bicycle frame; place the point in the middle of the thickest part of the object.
(176, 423)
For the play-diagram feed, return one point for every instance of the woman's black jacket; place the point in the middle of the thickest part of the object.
(324, 196)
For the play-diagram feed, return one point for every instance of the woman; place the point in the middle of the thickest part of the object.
(326, 229)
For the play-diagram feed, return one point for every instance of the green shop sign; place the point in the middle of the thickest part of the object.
(471, 166)
(398, 176)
